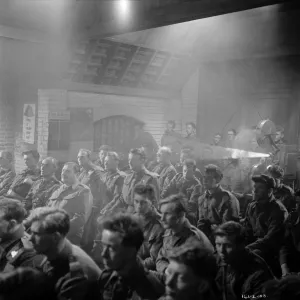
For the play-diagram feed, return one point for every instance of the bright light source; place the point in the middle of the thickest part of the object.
(124, 7)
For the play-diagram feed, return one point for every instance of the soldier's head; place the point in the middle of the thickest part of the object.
(111, 161)
(121, 238)
(191, 271)
(144, 197)
(186, 153)
(49, 166)
(276, 172)
(6, 159)
(231, 134)
(48, 229)
(263, 188)
(31, 158)
(230, 240)
(212, 177)
(279, 133)
(173, 212)
(164, 155)
(171, 125)
(103, 151)
(190, 128)
(136, 159)
(217, 138)
(189, 168)
(69, 173)
(12, 215)
(84, 157)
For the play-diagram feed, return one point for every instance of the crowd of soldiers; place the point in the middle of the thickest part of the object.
(158, 230)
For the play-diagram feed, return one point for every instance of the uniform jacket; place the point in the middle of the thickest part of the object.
(134, 178)
(197, 172)
(40, 192)
(285, 195)
(6, 179)
(19, 186)
(153, 234)
(18, 253)
(171, 240)
(151, 164)
(166, 174)
(73, 273)
(265, 226)
(246, 277)
(93, 179)
(76, 200)
(138, 284)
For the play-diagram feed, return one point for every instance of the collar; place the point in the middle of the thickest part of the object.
(186, 226)
(74, 186)
(64, 254)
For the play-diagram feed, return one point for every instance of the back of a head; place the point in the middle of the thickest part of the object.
(128, 226)
(231, 229)
(52, 219)
(12, 210)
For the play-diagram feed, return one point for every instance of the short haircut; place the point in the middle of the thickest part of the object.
(177, 201)
(53, 161)
(166, 150)
(232, 130)
(12, 210)
(231, 229)
(34, 154)
(52, 219)
(172, 122)
(87, 152)
(73, 165)
(190, 163)
(128, 226)
(7, 155)
(105, 148)
(192, 124)
(279, 129)
(201, 260)
(140, 152)
(114, 155)
(146, 190)
(214, 170)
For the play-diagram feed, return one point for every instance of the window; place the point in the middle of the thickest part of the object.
(59, 135)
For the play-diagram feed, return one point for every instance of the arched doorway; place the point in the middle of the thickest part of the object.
(116, 131)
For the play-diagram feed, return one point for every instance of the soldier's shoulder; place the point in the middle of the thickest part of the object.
(151, 174)
(287, 189)
(83, 188)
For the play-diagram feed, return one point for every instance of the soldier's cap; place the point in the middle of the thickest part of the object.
(276, 171)
(265, 179)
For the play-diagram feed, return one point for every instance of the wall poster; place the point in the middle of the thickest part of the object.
(29, 123)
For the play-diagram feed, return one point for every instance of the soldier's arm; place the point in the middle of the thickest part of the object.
(274, 236)
(6, 183)
(193, 201)
(231, 209)
(154, 182)
(116, 196)
(170, 188)
(155, 241)
(171, 173)
(161, 262)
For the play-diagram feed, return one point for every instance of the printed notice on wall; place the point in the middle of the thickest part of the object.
(29, 123)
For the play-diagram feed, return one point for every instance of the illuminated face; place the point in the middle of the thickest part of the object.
(68, 175)
(47, 168)
(135, 162)
(188, 172)
(110, 163)
(30, 161)
(82, 158)
(226, 248)
(162, 156)
(142, 205)
(169, 218)
(279, 135)
(102, 155)
(217, 139)
(190, 129)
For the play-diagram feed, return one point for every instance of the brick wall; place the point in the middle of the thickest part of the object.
(6, 126)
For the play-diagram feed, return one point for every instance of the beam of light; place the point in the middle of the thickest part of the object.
(124, 8)
(236, 153)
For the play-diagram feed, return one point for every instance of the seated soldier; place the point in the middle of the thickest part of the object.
(23, 181)
(7, 172)
(103, 150)
(240, 271)
(43, 188)
(177, 230)
(75, 198)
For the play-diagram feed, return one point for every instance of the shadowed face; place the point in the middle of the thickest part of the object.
(226, 248)
(142, 205)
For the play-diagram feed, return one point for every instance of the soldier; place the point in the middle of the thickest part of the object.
(124, 276)
(15, 248)
(216, 205)
(164, 169)
(23, 181)
(188, 185)
(43, 188)
(264, 222)
(151, 159)
(177, 230)
(71, 271)
(7, 172)
(217, 140)
(143, 199)
(282, 192)
(113, 180)
(241, 272)
(138, 175)
(191, 273)
(102, 154)
(75, 198)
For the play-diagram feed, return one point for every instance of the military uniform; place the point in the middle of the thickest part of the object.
(172, 240)
(285, 195)
(166, 173)
(151, 164)
(197, 172)
(6, 179)
(153, 233)
(76, 200)
(139, 283)
(20, 187)
(18, 253)
(40, 192)
(134, 178)
(216, 208)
